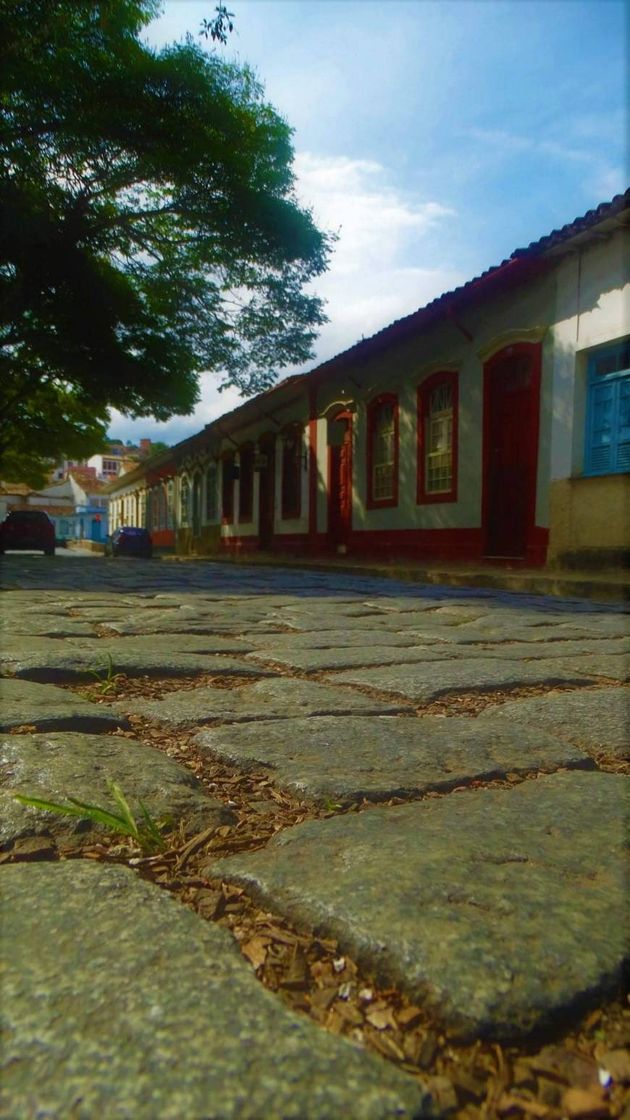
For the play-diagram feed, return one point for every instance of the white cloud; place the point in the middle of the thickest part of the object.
(380, 269)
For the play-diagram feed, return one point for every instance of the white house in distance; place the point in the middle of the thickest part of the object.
(491, 425)
(77, 506)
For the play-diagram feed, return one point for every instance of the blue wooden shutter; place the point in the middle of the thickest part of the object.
(601, 415)
(623, 425)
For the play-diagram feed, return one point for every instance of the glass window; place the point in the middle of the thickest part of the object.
(170, 504)
(184, 502)
(437, 438)
(607, 443)
(383, 452)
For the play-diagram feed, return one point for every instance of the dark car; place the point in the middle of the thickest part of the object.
(27, 529)
(129, 541)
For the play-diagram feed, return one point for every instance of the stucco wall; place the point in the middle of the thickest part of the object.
(589, 516)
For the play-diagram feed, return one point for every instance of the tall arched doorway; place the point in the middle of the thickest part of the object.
(340, 479)
(266, 489)
(510, 456)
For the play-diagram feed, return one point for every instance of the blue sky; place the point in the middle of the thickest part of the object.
(435, 136)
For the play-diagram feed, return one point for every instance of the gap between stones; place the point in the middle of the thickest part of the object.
(313, 975)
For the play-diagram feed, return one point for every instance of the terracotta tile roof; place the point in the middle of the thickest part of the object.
(15, 488)
(516, 268)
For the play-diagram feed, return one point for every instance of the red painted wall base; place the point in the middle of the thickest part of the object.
(416, 545)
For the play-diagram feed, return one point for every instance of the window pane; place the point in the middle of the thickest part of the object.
(439, 441)
(383, 452)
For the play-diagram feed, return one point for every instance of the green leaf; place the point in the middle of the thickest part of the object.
(125, 810)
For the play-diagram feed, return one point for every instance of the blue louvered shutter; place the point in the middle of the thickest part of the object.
(600, 457)
(607, 447)
(623, 425)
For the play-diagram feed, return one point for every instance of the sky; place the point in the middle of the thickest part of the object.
(433, 137)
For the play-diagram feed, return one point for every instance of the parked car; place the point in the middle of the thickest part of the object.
(129, 541)
(24, 529)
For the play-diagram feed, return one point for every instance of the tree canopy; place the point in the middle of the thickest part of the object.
(149, 228)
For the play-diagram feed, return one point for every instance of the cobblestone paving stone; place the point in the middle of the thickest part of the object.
(265, 700)
(355, 656)
(47, 708)
(497, 907)
(429, 679)
(598, 721)
(106, 1027)
(48, 659)
(69, 764)
(348, 759)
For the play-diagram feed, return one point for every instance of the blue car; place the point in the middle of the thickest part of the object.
(129, 541)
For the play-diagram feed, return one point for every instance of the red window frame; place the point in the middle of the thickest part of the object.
(246, 487)
(291, 488)
(425, 392)
(375, 406)
(227, 488)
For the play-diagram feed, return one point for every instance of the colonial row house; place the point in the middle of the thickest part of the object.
(491, 425)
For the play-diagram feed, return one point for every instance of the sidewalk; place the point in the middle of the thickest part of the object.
(609, 585)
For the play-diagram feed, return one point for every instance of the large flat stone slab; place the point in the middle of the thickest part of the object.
(123, 647)
(43, 624)
(48, 660)
(427, 680)
(62, 765)
(52, 709)
(499, 908)
(265, 700)
(374, 651)
(120, 1002)
(600, 665)
(350, 758)
(380, 650)
(596, 720)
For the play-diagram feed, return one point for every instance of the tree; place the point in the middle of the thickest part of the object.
(148, 225)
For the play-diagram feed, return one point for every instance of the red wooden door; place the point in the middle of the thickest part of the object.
(267, 491)
(340, 482)
(511, 401)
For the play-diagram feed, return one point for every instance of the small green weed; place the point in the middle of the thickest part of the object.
(108, 679)
(331, 806)
(146, 835)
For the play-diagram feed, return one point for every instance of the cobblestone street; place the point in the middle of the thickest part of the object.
(428, 781)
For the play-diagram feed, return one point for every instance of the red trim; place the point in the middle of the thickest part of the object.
(413, 545)
(372, 413)
(246, 476)
(447, 377)
(533, 539)
(163, 538)
(312, 463)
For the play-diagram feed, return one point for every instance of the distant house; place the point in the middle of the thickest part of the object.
(492, 424)
(77, 506)
(109, 464)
